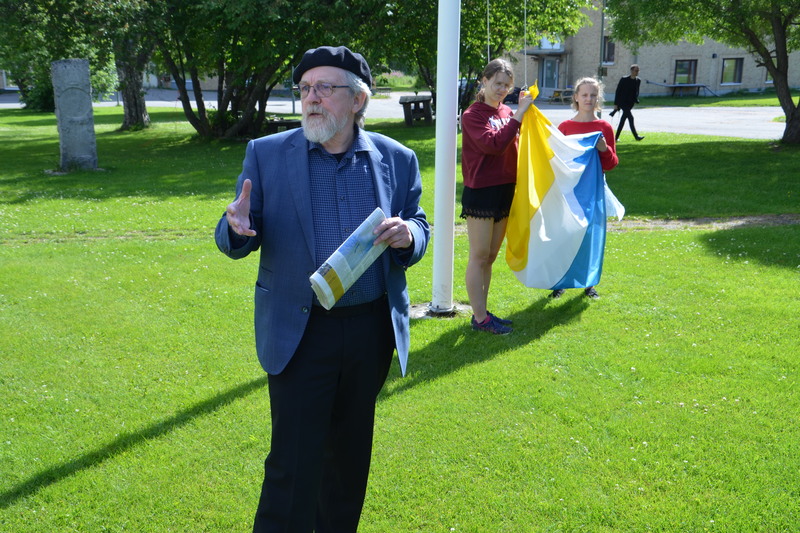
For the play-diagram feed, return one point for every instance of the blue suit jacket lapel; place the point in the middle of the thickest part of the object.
(297, 174)
(381, 176)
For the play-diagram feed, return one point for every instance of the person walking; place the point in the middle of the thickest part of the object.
(625, 97)
(489, 167)
(299, 196)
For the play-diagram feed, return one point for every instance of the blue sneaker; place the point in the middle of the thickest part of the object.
(501, 321)
(490, 326)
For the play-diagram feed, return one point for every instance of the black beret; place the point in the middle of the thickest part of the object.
(333, 56)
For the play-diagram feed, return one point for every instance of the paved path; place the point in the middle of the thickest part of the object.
(751, 123)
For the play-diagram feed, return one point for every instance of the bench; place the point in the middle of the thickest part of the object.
(562, 95)
(275, 126)
(415, 108)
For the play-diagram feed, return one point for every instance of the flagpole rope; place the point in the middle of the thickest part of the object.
(488, 33)
(525, 40)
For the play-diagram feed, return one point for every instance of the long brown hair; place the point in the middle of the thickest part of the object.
(494, 66)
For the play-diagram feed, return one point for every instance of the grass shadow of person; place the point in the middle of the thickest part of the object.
(127, 441)
(463, 346)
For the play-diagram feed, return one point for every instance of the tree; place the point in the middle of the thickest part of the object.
(768, 29)
(126, 27)
(42, 31)
(249, 47)
(417, 40)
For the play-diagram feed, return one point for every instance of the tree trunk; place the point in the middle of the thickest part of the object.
(791, 135)
(133, 101)
(202, 127)
(132, 55)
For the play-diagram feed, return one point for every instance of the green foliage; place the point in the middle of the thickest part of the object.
(250, 46)
(769, 29)
(45, 31)
(398, 81)
(416, 45)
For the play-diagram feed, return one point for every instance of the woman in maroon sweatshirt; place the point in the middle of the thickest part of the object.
(489, 167)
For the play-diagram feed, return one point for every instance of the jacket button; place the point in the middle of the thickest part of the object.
(304, 309)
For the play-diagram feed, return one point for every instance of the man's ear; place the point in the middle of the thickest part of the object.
(358, 102)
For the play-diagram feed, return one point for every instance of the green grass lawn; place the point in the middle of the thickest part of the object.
(133, 400)
(766, 98)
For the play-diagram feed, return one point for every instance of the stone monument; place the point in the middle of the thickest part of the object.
(73, 97)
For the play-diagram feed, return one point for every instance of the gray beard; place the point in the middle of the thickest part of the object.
(322, 131)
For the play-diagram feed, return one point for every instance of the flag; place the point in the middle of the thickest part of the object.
(557, 225)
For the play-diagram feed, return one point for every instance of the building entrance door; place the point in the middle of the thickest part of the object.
(549, 77)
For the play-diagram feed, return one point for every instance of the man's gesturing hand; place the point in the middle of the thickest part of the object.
(238, 212)
(395, 232)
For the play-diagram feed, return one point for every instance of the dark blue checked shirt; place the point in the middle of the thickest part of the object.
(342, 196)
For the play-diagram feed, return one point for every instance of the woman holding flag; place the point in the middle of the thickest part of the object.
(587, 100)
(489, 168)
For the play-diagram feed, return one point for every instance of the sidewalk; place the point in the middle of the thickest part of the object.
(743, 122)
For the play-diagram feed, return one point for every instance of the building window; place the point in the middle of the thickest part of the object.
(547, 44)
(608, 50)
(732, 70)
(686, 71)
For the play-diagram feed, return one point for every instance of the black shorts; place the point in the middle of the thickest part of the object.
(487, 202)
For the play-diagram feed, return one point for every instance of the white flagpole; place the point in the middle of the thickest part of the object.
(446, 139)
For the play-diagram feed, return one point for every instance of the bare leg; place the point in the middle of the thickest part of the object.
(485, 239)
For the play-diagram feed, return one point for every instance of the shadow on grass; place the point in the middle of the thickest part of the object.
(706, 178)
(125, 442)
(460, 346)
(131, 165)
(769, 245)
(102, 116)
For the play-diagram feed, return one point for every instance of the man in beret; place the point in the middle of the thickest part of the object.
(299, 196)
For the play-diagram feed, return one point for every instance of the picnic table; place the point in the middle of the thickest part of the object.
(562, 95)
(415, 108)
(681, 88)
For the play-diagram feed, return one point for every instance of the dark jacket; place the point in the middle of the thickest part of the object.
(627, 92)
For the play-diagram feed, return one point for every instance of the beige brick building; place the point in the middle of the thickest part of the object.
(716, 67)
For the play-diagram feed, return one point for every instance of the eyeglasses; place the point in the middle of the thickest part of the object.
(323, 90)
(497, 86)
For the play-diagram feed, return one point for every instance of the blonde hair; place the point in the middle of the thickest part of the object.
(494, 66)
(601, 96)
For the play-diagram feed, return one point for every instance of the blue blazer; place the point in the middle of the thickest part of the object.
(280, 212)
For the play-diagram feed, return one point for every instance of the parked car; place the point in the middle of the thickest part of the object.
(513, 96)
(465, 85)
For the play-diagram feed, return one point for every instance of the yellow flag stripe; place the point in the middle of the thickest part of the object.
(535, 177)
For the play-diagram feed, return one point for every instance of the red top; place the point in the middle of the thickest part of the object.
(488, 145)
(608, 159)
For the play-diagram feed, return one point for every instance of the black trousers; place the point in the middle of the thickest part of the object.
(626, 115)
(323, 413)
